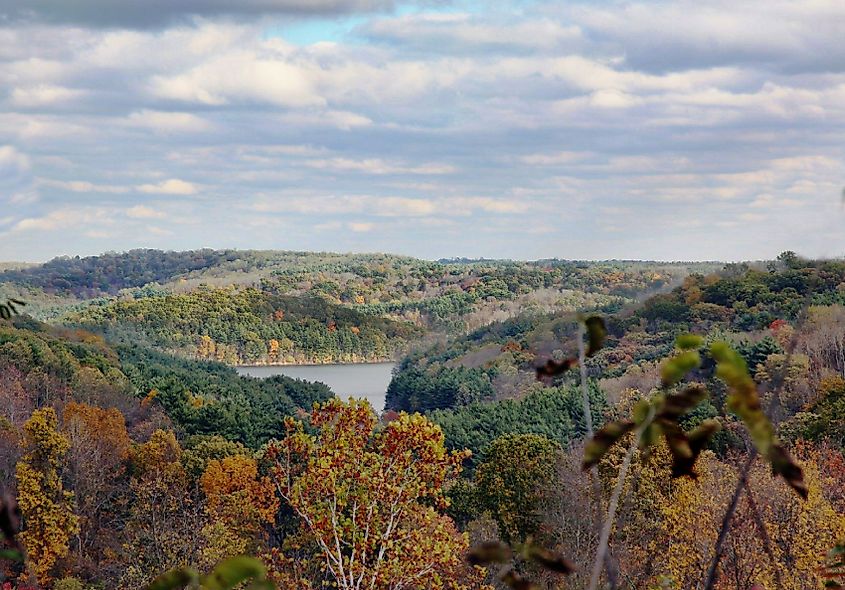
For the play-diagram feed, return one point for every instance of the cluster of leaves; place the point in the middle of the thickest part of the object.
(232, 573)
(659, 415)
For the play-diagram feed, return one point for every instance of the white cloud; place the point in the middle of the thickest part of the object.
(379, 166)
(172, 186)
(361, 226)
(167, 122)
(144, 212)
(43, 95)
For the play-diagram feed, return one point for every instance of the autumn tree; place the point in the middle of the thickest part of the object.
(97, 461)
(46, 508)
(238, 502)
(511, 481)
(371, 499)
(161, 532)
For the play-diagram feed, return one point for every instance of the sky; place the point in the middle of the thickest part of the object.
(684, 130)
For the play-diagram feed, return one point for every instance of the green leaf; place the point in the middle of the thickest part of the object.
(175, 579)
(689, 342)
(233, 571)
(596, 334)
(603, 440)
(676, 368)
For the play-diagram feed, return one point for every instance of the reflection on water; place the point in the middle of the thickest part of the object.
(368, 381)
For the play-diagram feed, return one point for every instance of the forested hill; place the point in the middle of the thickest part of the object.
(251, 306)
(106, 274)
(755, 308)
(42, 366)
(246, 325)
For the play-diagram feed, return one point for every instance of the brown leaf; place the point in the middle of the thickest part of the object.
(515, 581)
(784, 465)
(603, 439)
(554, 368)
(677, 404)
(549, 559)
(696, 440)
(489, 552)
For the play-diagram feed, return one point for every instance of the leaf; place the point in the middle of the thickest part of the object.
(689, 342)
(677, 404)
(697, 441)
(490, 552)
(784, 465)
(549, 559)
(515, 581)
(596, 334)
(676, 368)
(175, 579)
(744, 401)
(555, 368)
(233, 571)
(603, 439)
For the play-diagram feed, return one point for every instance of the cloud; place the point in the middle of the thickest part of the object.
(379, 166)
(144, 212)
(16, 180)
(157, 13)
(450, 133)
(361, 226)
(173, 186)
(168, 122)
(43, 95)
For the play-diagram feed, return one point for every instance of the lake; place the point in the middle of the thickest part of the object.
(364, 380)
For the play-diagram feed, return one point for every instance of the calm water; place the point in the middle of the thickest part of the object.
(368, 381)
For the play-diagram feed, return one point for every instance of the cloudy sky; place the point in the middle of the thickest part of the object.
(694, 129)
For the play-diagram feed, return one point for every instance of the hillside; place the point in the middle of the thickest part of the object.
(248, 326)
(756, 308)
(140, 445)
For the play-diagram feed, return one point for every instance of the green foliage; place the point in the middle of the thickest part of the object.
(517, 471)
(240, 326)
(227, 575)
(419, 389)
(108, 273)
(553, 412)
(206, 398)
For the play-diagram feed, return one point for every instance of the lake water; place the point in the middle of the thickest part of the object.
(368, 381)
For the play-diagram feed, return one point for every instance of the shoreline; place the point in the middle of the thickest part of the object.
(339, 364)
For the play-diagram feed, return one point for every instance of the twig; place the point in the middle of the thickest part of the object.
(726, 521)
(601, 552)
(609, 565)
(764, 534)
(779, 382)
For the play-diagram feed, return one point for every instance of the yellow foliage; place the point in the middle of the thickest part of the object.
(46, 509)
